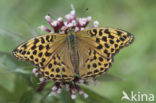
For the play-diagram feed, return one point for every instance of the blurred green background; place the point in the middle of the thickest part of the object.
(134, 68)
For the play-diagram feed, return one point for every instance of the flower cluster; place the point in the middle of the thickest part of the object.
(61, 26)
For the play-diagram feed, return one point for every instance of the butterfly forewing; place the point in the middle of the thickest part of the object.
(38, 50)
(103, 44)
(107, 41)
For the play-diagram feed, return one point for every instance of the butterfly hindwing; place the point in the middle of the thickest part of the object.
(57, 70)
(95, 65)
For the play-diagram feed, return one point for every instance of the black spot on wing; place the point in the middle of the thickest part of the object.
(40, 47)
(97, 40)
(43, 59)
(99, 46)
(47, 46)
(40, 54)
(24, 46)
(49, 66)
(33, 47)
(104, 38)
(111, 41)
(100, 32)
(95, 71)
(118, 32)
(93, 32)
(57, 70)
(47, 38)
(106, 45)
(36, 41)
(47, 54)
(35, 52)
(42, 40)
(23, 52)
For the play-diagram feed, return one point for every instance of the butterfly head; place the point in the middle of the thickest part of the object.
(71, 35)
(70, 31)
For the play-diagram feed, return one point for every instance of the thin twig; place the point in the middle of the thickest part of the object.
(41, 87)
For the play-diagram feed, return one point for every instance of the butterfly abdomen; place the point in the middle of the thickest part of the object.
(73, 50)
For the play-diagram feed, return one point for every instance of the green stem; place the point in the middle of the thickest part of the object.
(66, 97)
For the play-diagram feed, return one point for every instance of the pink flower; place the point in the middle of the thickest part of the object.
(60, 26)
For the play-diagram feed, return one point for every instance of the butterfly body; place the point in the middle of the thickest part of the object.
(88, 53)
(72, 43)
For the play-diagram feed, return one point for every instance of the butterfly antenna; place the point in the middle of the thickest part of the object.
(84, 12)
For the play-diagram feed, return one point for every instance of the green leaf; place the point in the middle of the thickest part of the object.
(8, 67)
(8, 62)
(7, 80)
(26, 97)
(108, 77)
(94, 97)
(65, 97)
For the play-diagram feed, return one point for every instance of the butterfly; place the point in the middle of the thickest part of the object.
(86, 53)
